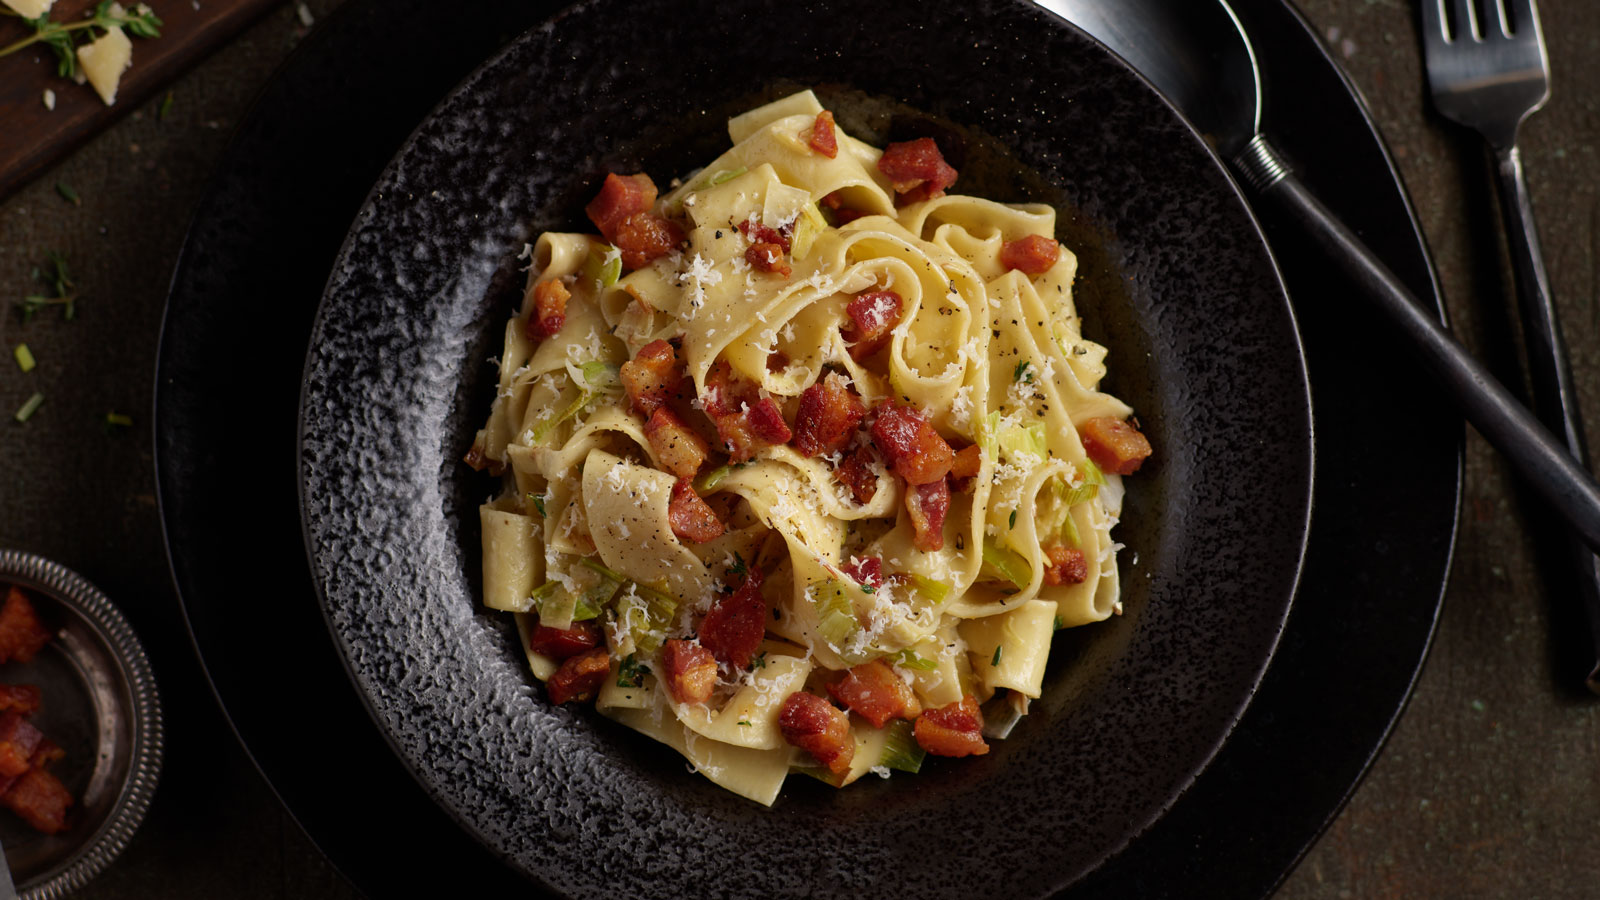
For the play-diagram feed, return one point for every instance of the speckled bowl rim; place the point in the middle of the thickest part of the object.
(380, 707)
(67, 587)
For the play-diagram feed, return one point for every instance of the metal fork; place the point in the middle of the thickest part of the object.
(1489, 73)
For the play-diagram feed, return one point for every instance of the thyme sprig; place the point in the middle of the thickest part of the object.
(57, 278)
(62, 37)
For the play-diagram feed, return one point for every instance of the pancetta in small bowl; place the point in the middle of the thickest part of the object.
(80, 716)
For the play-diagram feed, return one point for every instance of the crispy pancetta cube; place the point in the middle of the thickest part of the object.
(955, 729)
(690, 671)
(691, 518)
(873, 691)
(1114, 445)
(829, 413)
(819, 728)
(914, 448)
(680, 450)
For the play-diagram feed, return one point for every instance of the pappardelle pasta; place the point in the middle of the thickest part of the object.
(804, 461)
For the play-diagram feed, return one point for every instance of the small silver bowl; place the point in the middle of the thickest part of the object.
(100, 705)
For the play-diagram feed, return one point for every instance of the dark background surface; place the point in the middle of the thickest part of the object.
(1489, 786)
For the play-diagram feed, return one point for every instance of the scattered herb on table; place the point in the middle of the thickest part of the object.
(58, 279)
(68, 194)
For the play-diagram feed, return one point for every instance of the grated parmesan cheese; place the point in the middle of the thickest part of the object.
(105, 59)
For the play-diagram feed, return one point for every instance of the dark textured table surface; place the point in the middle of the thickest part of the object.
(1488, 788)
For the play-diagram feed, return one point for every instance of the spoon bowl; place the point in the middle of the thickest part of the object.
(1196, 53)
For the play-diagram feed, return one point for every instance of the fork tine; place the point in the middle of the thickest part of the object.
(1433, 22)
(1464, 16)
(1499, 22)
(1524, 18)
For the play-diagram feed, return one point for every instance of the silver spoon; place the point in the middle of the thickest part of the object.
(1197, 53)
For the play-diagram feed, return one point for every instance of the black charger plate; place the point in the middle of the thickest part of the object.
(319, 136)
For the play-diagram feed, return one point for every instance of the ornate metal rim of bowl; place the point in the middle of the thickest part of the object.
(111, 835)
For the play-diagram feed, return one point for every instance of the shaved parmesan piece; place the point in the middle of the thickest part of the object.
(104, 60)
(29, 9)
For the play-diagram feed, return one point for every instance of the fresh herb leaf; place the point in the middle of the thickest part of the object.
(760, 662)
(164, 108)
(538, 503)
(1013, 523)
(68, 194)
(24, 357)
(1060, 624)
(58, 276)
(739, 567)
(631, 672)
(1023, 372)
(997, 649)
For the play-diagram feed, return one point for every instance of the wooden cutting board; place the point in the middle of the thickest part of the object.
(33, 136)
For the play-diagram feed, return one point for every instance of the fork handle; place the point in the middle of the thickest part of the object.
(1555, 398)
(1497, 415)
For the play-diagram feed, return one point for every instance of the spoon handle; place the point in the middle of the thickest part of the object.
(1497, 415)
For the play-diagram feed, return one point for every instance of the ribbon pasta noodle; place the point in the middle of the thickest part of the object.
(806, 426)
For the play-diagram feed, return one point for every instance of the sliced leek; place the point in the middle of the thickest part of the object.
(901, 752)
(604, 265)
(836, 616)
(1008, 563)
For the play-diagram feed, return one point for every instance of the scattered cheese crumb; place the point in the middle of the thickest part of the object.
(700, 274)
(304, 12)
(49, 99)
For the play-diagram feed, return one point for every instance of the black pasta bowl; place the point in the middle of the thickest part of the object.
(1175, 279)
